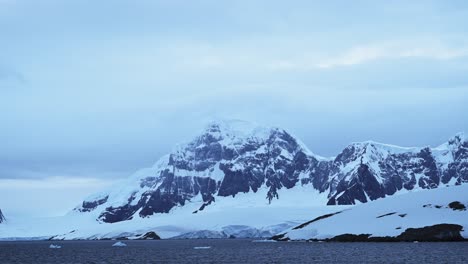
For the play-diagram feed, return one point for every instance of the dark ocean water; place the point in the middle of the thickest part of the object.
(231, 251)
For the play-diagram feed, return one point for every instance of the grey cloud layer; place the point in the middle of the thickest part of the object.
(113, 85)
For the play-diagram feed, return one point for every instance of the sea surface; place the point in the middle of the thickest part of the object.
(230, 251)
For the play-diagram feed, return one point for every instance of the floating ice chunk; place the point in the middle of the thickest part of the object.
(263, 241)
(201, 247)
(54, 246)
(119, 244)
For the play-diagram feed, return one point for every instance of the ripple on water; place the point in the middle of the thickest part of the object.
(231, 251)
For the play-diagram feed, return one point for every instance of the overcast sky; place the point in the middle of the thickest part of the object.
(91, 91)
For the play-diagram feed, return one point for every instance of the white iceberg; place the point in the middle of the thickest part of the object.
(119, 244)
(263, 241)
(201, 247)
(54, 246)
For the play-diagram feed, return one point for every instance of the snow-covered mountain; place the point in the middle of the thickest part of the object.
(2, 217)
(369, 170)
(230, 158)
(432, 215)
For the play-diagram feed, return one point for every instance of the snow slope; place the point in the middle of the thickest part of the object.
(241, 216)
(391, 216)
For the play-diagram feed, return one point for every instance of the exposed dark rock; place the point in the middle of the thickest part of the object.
(112, 215)
(149, 235)
(435, 233)
(280, 237)
(360, 238)
(402, 215)
(350, 238)
(457, 206)
(382, 239)
(2, 217)
(459, 168)
(89, 206)
(380, 216)
(315, 220)
(440, 232)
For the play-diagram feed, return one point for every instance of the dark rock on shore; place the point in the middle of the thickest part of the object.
(435, 233)
(150, 235)
(280, 237)
(350, 238)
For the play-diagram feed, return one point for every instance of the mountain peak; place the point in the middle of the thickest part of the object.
(377, 146)
(235, 128)
(458, 138)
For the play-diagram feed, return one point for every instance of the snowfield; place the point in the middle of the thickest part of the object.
(391, 216)
(241, 216)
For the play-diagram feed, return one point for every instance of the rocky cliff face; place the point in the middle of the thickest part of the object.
(2, 217)
(368, 171)
(229, 158)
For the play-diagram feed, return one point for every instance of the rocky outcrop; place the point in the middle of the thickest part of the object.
(434, 233)
(2, 217)
(229, 158)
(440, 232)
(149, 236)
(456, 205)
(430, 215)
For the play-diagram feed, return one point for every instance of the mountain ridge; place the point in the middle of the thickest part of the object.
(228, 158)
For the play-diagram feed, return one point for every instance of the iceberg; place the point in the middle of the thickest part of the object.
(54, 246)
(119, 244)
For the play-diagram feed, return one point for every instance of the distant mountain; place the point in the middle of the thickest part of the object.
(233, 157)
(369, 170)
(2, 217)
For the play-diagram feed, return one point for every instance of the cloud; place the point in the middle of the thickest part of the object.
(367, 53)
(287, 59)
(104, 96)
(10, 77)
(52, 183)
(45, 197)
